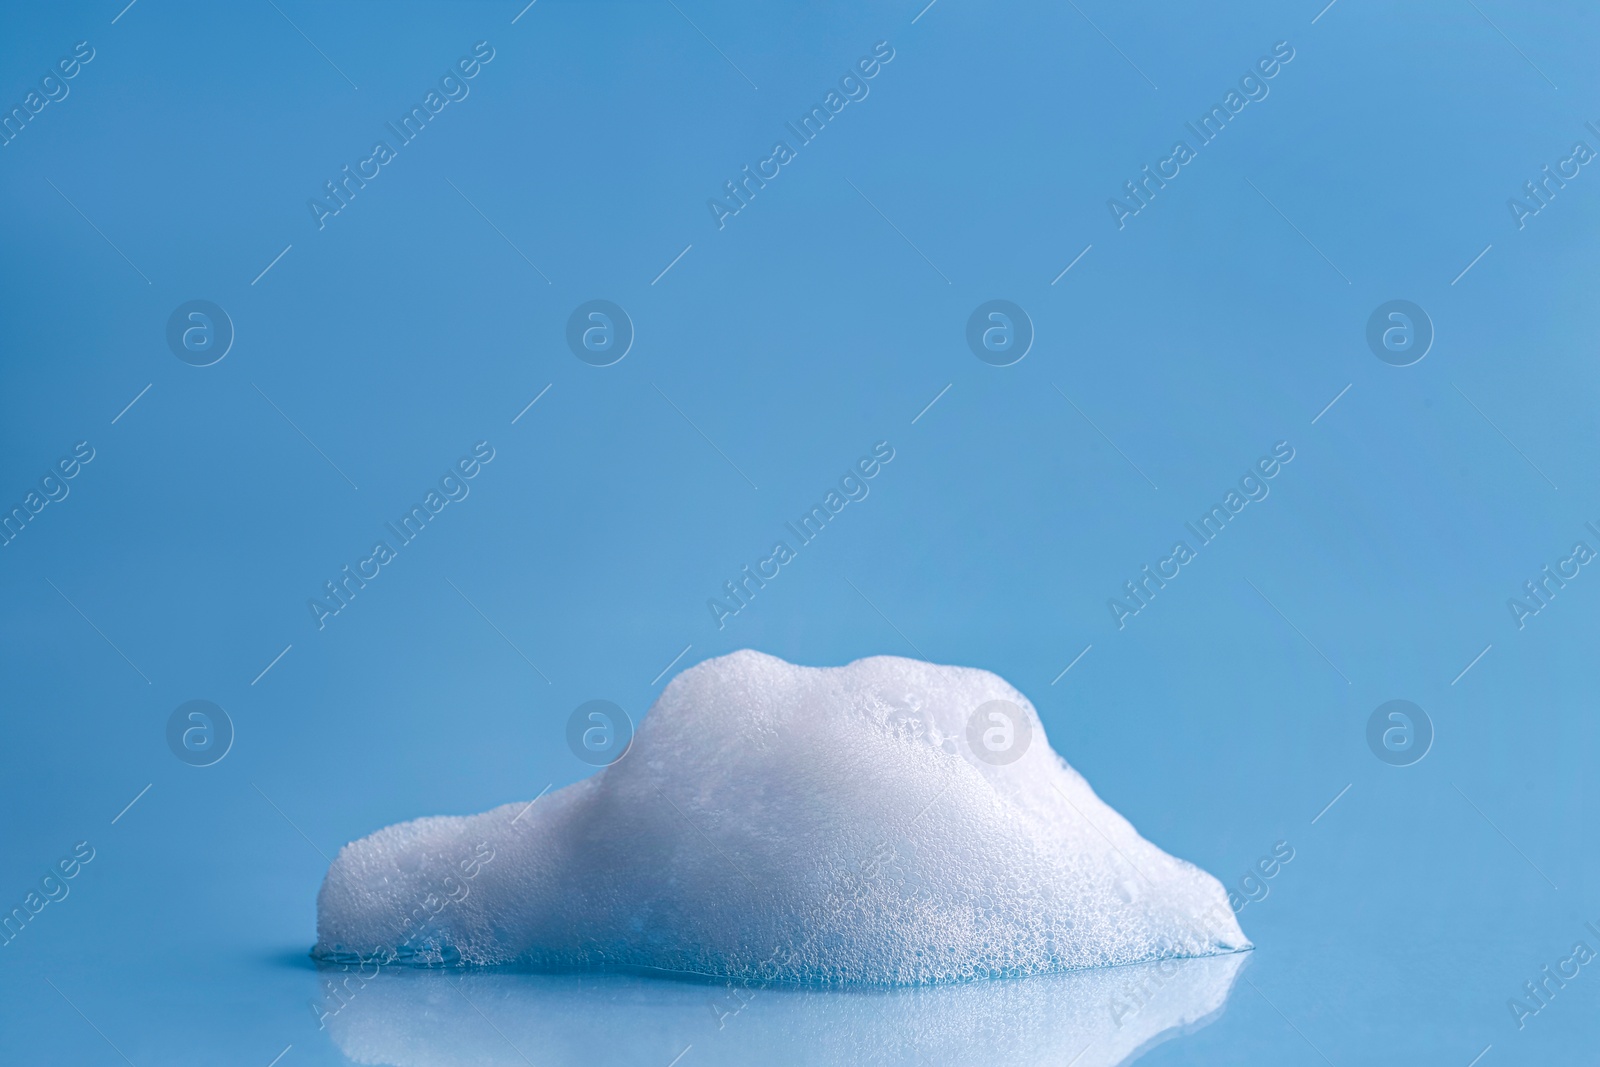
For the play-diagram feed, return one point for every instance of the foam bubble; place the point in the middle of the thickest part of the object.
(781, 823)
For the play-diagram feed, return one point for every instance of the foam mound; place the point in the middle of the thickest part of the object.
(886, 822)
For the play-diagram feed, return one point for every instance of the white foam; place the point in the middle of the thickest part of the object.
(776, 822)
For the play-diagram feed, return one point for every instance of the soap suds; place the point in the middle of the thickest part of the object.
(781, 823)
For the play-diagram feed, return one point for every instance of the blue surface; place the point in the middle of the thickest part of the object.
(820, 319)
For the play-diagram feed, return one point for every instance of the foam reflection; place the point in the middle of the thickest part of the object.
(1093, 1018)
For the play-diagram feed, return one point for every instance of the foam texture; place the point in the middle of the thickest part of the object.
(794, 824)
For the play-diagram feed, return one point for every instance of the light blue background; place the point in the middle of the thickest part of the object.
(794, 339)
